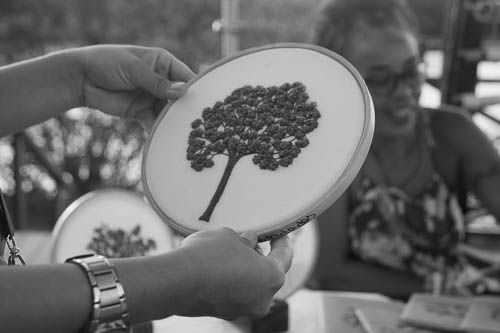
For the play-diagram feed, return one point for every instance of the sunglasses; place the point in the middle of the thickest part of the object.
(386, 82)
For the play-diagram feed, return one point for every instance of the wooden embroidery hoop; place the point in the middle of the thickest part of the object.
(178, 194)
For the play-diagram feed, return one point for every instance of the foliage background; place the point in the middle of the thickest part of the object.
(92, 150)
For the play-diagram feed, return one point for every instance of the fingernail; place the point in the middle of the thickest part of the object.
(177, 86)
(249, 236)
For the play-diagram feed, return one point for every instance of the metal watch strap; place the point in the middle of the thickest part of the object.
(109, 307)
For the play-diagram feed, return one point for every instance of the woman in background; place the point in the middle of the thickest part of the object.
(396, 230)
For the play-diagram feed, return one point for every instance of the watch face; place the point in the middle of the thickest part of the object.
(262, 141)
(112, 222)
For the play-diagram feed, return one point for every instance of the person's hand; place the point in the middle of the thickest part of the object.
(232, 278)
(131, 81)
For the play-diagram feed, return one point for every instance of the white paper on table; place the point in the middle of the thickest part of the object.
(483, 315)
(436, 312)
(338, 308)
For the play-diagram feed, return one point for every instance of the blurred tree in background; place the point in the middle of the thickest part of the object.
(89, 149)
(92, 150)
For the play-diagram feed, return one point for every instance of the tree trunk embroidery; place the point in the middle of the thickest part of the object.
(220, 189)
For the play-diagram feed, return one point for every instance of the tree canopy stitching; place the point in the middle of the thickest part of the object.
(270, 123)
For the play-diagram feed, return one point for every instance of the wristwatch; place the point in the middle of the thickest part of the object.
(109, 307)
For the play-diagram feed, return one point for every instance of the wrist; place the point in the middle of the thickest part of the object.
(157, 286)
(109, 307)
(179, 283)
(74, 65)
(184, 281)
(66, 69)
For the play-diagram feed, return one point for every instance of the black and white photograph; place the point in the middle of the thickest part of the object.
(250, 166)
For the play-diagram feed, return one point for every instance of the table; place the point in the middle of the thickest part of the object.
(304, 311)
(310, 311)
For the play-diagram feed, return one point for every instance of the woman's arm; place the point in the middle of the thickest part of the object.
(336, 271)
(480, 161)
(57, 298)
(35, 90)
(214, 273)
(121, 80)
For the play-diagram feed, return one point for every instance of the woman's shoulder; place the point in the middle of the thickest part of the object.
(451, 124)
(449, 117)
(454, 132)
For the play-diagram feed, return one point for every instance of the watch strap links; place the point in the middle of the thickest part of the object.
(109, 307)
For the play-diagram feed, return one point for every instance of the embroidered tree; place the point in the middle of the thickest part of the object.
(117, 243)
(270, 123)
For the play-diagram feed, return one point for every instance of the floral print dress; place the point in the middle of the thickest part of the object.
(417, 234)
(420, 234)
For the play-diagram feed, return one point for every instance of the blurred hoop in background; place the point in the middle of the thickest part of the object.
(111, 222)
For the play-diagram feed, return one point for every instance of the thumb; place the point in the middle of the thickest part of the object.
(143, 77)
(147, 116)
(281, 252)
(146, 119)
(249, 238)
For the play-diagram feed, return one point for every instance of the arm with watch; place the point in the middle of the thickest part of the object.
(190, 281)
(213, 273)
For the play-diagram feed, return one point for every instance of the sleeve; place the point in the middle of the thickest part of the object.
(479, 158)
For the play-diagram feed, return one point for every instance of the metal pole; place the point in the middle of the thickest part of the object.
(453, 33)
(230, 12)
(464, 37)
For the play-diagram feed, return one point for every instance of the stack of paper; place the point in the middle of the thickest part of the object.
(479, 314)
(385, 320)
(424, 313)
(438, 312)
(483, 315)
(339, 310)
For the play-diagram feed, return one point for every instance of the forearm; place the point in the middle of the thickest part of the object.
(57, 298)
(487, 190)
(44, 298)
(365, 277)
(35, 90)
(158, 286)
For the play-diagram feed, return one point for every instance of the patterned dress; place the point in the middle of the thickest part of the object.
(418, 233)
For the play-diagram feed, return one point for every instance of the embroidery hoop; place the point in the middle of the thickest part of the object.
(114, 208)
(283, 203)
